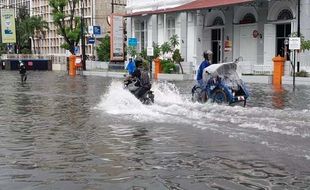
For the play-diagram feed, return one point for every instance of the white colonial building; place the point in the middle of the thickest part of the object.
(255, 30)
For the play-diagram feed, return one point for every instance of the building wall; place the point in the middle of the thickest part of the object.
(96, 12)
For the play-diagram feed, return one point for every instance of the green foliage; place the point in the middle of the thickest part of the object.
(168, 66)
(166, 47)
(143, 54)
(177, 58)
(156, 50)
(302, 73)
(103, 49)
(174, 41)
(2, 48)
(305, 44)
(69, 25)
(132, 51)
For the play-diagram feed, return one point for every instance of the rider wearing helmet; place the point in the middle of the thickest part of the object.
(207, 56)
(22, 71)
(141, 74)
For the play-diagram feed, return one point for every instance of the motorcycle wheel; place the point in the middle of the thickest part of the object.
(219, 96)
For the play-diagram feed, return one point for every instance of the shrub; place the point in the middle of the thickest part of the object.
(302, 73)
(103, 49)
(168, 66)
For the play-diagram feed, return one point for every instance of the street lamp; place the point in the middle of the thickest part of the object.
(83, 37)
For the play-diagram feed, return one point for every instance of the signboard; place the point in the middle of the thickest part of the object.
(77, 50)
(132, 42)
(228, 46)
(117, 38)
(91, 40)
(294, 43)
(90, 29)
(97, 30)
(150, 51)
(8, 26)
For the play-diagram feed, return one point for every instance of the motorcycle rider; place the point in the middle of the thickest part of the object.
(143, 79)
(201, 83)
(207, 57)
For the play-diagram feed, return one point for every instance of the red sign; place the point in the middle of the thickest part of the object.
(30, 63)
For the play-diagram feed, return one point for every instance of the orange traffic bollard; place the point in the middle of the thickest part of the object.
(278, 69)
(72, 68)
(157, 68)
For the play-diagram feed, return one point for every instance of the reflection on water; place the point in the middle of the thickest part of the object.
(278, 98)
(58, 132)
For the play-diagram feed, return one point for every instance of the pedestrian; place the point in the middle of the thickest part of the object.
(131, 66)
(22, 72)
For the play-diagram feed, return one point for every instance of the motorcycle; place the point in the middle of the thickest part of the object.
(221, 85)
(132, 84)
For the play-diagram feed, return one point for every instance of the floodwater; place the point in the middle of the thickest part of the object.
(88, 133)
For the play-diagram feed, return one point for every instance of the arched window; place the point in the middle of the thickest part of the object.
(285, 14)
(248, 18)
(218, 21)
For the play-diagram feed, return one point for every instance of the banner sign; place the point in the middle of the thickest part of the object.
(117, 38)
(8, 26)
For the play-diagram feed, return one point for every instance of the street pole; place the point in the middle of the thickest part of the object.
(112, 6)
(83, 37)
(298, 30)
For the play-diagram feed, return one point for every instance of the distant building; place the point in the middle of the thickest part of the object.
(96, 13)
(255, 30)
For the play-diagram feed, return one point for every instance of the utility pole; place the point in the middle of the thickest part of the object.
(83, 37)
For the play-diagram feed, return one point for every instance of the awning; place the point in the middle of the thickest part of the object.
(194, 5)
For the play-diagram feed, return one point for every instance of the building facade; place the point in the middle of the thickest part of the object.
(96, 13)
(255, 30)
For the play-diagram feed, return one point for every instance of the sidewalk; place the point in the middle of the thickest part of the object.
(260, 79)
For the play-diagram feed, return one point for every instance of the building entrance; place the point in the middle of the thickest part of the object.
(216, 38)
(283, 32)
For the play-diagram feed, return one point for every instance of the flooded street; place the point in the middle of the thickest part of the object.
(88, 133)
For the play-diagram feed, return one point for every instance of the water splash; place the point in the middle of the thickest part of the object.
(253, 124)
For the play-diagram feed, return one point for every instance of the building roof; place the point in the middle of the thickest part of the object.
(194, 5)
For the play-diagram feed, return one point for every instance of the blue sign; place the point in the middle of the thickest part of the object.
(132, 42)
(91, 40)
(76, 50)
(97, 30)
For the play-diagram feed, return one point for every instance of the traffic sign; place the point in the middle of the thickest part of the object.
(97, 30)
(91, 40)
(132, 42)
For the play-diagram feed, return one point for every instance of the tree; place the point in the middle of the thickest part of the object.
(69, 25)
(22, 31)
(37, 26)
(174, 41)
(103, 49)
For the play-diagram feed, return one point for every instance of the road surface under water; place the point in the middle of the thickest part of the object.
(58, 132)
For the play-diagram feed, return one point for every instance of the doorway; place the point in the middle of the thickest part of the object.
(283, 32)
(216, 41)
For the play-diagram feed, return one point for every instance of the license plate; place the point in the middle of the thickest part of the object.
(240, 98)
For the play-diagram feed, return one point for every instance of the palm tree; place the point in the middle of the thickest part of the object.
(37, 27)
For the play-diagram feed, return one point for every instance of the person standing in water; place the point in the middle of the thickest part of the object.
(22, 72)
